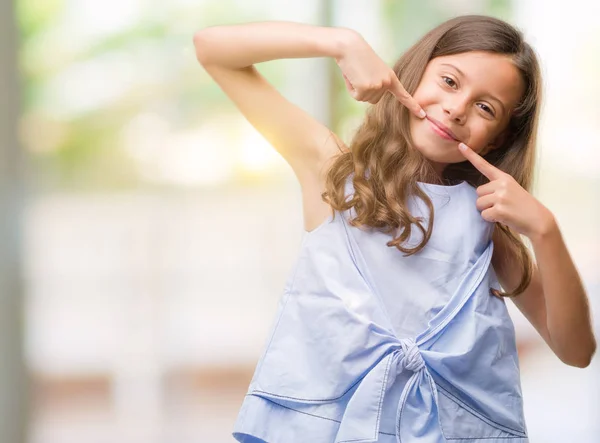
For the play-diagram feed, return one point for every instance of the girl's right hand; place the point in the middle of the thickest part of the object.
(368, 77)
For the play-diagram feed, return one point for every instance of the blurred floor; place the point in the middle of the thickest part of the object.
(199, 406)
(561, 406)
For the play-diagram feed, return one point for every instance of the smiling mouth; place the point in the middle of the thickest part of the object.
(441, 131)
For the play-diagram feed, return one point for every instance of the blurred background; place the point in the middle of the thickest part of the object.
(146, 229)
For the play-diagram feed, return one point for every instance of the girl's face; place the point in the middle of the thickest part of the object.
(473, 95)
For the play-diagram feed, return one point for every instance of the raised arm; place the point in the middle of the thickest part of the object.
(228, 53)
(239, 46)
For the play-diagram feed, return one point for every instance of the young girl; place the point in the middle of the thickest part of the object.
(392, 326)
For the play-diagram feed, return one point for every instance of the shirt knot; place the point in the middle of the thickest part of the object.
(412, 359)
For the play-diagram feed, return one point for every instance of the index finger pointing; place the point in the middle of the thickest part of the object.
(480, 163)
(405, 98)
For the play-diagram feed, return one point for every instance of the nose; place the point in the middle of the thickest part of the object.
(455, 108)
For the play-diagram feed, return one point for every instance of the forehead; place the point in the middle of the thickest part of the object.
(484, 72)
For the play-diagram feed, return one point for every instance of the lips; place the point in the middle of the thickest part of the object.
(443, 128)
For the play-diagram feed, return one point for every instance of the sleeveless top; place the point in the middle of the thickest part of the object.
(369, 345)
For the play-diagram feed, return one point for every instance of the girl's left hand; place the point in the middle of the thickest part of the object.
(503, 200)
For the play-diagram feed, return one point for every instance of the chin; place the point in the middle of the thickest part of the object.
(437, 149)
(440, 153)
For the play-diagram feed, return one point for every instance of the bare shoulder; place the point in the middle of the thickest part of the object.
(305, 143)
(315, 210)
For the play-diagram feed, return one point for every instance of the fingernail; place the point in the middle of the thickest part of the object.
(422, 113)
(462, 146)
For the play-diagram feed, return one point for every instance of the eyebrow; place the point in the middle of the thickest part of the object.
(487, 95)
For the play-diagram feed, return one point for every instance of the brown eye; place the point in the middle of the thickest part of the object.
(448, 78)
(486, 109)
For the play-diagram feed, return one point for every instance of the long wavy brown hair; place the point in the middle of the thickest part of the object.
(386, 167)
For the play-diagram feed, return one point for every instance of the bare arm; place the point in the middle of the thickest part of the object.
(239, 46)
(555, 301)
(567, 308)
(228, 54)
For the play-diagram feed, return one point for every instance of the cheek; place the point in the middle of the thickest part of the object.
(481, 134)
(423, 94)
